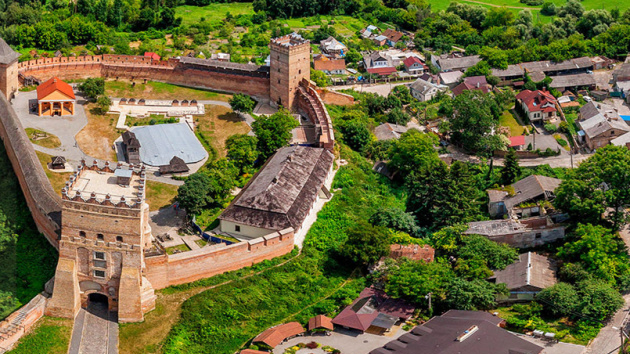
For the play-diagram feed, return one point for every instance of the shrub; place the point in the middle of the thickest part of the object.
(551, 128)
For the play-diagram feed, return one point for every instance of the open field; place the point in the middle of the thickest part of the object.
(160, 91)
(57, 179)
(51, 335)
(43, 138)
(622, 5)
(507, 119)
(97, 138)
(218, 124)
(160, 195)
(212, 12)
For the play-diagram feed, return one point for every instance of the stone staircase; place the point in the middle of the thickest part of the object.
(17, 323)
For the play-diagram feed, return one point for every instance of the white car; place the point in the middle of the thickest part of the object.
(587, 99)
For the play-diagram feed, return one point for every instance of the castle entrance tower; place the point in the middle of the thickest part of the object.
(8, 70)
(290, 57)
(104, 233)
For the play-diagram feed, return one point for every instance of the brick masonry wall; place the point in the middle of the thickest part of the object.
(132, 67)
(337, 98)
(167, 270)
(43, 202)
(23, 319)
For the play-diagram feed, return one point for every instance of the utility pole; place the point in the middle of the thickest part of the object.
(429, 298)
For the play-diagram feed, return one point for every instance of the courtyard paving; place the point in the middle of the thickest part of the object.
(95, 331)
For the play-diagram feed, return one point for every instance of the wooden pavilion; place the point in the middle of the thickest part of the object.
(55, 98)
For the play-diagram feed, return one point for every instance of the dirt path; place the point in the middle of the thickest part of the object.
(509, 7)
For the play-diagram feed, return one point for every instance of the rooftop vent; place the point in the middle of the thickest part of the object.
(467, 333)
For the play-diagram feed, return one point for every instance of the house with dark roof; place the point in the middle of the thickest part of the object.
(537, 105)
(520, 233)
(281, 195)
(521, 199)
(392, 36)
(55, 98)
(8, 66)
(526, 277)
(454, 62)
(374, 312)
(573, 82)
(320, 322)
(450, 78)
(387, 131)
(131, 147)
(57, 163)
(414, 66)
(472, 83)
(455, 332)
(601, 125)
(176, 165)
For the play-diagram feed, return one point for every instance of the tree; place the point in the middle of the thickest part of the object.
(480, 69)
(395, 218)
(560, 299)
(511, 170)
(366, 244)
(598, 299)
(398, 116)
(414, 151)
(102, 104)
(499, 17)
(353, 56)
(602, 182)
(273, 132)
(320, 78)
(402, 93)
(241, 150)
(413, 280)
(474, 121)
(497, 255)
(92, 88)
(548, 9)
(356, 134)
(442, 196)
(193, 194)
(476, 294)
(242, 103)
(601, 252)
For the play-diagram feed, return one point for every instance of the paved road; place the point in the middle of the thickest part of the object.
(95, 331)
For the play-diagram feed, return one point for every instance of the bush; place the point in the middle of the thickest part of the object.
(532, 2)
(548, 9)
(551, 128)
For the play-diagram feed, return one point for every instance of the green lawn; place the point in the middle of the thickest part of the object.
(160, 91)
(212, 12)
(588, 4)
(174, 249)
(507, 120)
(50, 336)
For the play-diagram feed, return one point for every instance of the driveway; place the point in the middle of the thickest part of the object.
(381, 89)
(347, 341)
(554, 347)
(95, 331)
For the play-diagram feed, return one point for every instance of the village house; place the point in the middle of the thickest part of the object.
(55, 98)
(450, 79)
(526, 277)
(573, 82)
(378, 64)
(392, 37)
(517, 142)
(457, 331)
(524, 197)
(414, 66)
(519, 233)
(330, 66)
(369, 31)
(131, 147)
(423, 90)
(332, 46)
(224, 57)
(537, 105)
(601, 124)
(387, 131)
(472, 83)
(374, 312)
(281, 195)
(273, 336)
(454, 62)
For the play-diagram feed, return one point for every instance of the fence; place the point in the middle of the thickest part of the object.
(207, 236)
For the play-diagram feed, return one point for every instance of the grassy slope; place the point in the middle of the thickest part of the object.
(27, 261)
(50, 336)
(212, 12)
(223, 319)
(160, 91)
(50, 141)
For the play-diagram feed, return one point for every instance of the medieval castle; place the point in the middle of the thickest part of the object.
(100, 223)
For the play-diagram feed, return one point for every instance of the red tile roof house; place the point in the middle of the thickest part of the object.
(374, 312)
(414, 66)
(278, 334)
(517, 142)
(538, 105)
(330, 66)
(152, 55)
(472, 83)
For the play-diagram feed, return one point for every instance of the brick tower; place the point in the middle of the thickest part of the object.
(290, 63)
(104, 233)
(8, 70)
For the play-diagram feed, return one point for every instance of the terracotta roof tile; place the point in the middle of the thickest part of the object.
(53, 85)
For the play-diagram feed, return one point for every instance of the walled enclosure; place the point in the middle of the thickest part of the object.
(162, 270)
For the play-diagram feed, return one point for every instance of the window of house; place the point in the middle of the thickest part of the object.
(99, 273)
(99, 255)
(100, 264)
(100, 237)
(119, 239)
(82, 233)
(237, 228)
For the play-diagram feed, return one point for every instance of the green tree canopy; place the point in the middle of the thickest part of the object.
(356, 134)
(602, 182)
(242, 103)
(273, 132)
(472, 295)
(395, 218)
(511, 171)
(366, 244)
(241, 150)
(413, 280)
(414, 151)
(93, 87)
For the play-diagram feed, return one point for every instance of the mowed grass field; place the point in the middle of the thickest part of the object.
(212, 12)
(622, 5)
